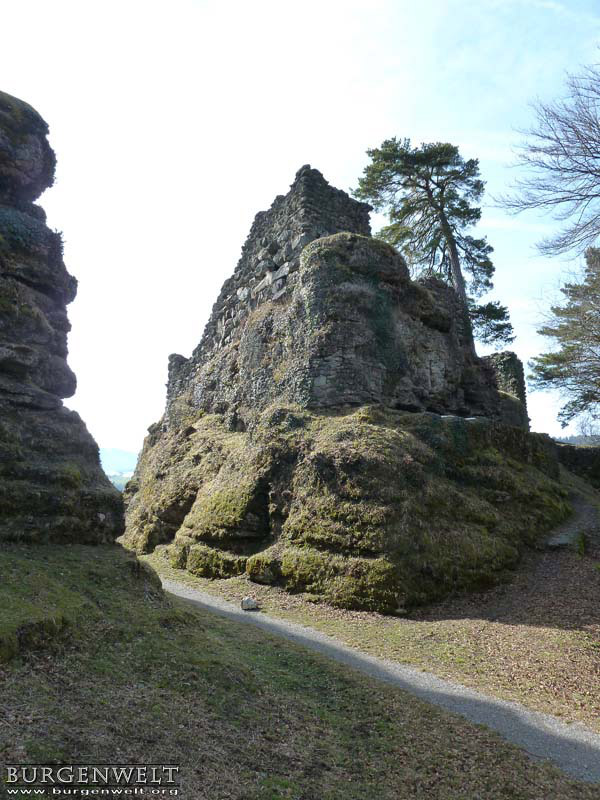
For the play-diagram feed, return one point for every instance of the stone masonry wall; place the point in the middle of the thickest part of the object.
(341, 324)
(510, 377)
(509, 373)
(268, 267)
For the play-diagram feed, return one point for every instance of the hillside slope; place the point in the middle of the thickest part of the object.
(126, 675)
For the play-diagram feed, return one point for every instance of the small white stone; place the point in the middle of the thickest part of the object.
(301, 241)
(249, 604)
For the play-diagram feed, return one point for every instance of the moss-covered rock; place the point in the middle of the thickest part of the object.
(349, 582)
(264, 567)
(52, 487)
(236, 510)
(209, 562)
(364, 508)
(287, 442)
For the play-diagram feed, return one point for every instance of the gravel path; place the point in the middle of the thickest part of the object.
(571, 747)
(584, 521)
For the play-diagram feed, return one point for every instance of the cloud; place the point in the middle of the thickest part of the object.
(174, 124)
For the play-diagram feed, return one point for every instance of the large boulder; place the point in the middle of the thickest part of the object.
(366, 508)
(335, 432)
(52, 487)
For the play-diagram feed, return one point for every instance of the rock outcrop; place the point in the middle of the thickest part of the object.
(52, 487)
(334, 432)
(320, 314)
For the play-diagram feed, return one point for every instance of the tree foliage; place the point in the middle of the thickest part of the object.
(561, 158)
(573, 367)
(429, 193)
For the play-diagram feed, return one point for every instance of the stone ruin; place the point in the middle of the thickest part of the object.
(52, 488)
(334, 432)
(291, 325)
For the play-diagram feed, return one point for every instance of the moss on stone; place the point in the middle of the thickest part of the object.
(264, 567)
(177, 551)
(365, 508)
(222, 509)
(359, 583)
(208, 562)
(230, 511)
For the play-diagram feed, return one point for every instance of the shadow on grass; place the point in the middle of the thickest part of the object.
(571, 747)
(557, 588)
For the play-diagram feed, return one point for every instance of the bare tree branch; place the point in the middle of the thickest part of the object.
(561, 157)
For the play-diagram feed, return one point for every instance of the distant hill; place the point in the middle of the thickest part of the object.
(590, 441)
(118, 465)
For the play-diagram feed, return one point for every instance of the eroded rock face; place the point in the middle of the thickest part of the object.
(52, 487)
(320, 314)
(286, 451)
(367, 508)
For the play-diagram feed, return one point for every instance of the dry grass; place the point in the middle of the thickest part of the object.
(137, 678)
(535, 640)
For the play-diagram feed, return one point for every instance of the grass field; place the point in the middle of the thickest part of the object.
(535, 640)
(105, 668)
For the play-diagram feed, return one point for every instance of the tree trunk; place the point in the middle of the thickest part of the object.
(457, 277)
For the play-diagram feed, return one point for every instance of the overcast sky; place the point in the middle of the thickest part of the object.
(175, 123)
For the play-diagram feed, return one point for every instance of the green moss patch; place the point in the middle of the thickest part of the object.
(264, 567)
(361, 583)
(365, 508)
(209, 562)
(233, 511)
(246, 715)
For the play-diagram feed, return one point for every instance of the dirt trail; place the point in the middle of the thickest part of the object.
(548, 590)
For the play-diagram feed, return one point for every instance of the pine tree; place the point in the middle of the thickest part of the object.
(573, 367)
(428, 193)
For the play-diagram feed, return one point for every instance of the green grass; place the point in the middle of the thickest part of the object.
(532, 640)
(135, 678)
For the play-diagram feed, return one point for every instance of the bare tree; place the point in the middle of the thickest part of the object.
(589, 428)
(562, 159)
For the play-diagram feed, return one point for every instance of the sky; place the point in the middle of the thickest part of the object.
(175, 123)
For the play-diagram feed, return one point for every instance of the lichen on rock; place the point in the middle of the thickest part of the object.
(334, 433)
(366, 508)
(52, 487)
